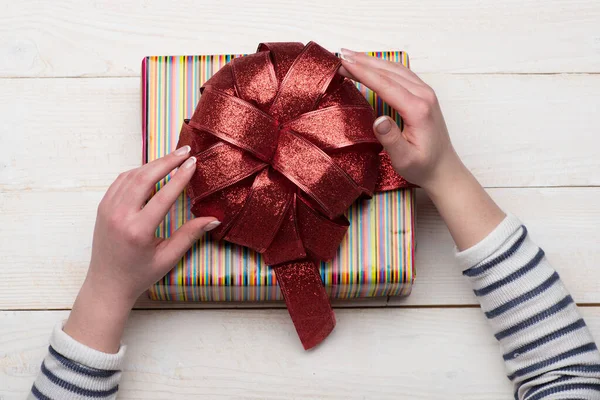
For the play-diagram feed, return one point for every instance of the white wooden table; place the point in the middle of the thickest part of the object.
(518, 82)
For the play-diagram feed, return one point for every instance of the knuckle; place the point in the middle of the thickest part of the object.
(126, 174)
(429, 95)
(115, 221)
(134, 235)
(161, 199)
(422, 109)
(140, 179)
(102, 207)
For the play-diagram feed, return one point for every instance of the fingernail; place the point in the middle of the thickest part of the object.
(383, 125)
(189, 163)
(182, 151)
(347, 55)
(211, 226)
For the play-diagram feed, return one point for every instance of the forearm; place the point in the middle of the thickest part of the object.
(97, 319)
(466, 208)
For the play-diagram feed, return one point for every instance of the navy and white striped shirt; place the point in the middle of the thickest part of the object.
(548, 350)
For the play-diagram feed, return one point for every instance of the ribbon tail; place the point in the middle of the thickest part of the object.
(306, 300)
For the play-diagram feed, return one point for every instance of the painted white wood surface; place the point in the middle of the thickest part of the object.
(254, 354)
(109, 38)
(519, 85)
(511, 130)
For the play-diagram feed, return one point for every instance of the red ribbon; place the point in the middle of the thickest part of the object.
(284, 146)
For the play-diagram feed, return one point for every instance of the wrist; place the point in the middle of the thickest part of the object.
(466, 208)
(449, 175)
(97, 319)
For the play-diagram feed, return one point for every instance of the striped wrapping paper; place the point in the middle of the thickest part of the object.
(376, 258)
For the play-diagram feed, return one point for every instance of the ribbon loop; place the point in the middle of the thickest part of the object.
(283, 55)
(255, 79)
(305, 83)
(320, 236)
(232, 164)
(360, 164)
(223, 205)
(264, 211)
(388, 179)
(335, 127)
(195, 138)
(287, 245)
(237, 122)
(322, 179)
(222, 81)
(345, 94)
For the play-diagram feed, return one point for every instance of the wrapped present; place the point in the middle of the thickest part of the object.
(375, 258)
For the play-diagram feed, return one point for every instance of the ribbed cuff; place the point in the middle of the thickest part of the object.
(492, 242)
(75, 351)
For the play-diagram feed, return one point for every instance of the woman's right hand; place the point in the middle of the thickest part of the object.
(422, 151)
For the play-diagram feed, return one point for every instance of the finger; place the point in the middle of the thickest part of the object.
(114, 188)
(410, 85)
(389, 90)
(374, 62)
(171, 250)
(154, 212)
(344, 72)
(389, 134)
(142, 181)
(414, 88)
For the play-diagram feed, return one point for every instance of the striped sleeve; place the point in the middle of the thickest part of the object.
(549, 352)
(72, 370)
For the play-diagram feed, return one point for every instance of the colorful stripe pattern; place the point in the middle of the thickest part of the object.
(376, 258)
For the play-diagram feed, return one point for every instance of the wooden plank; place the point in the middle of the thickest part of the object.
(520, 130)
(512, 130)
(90, 38)
(565, 222)
(68, 133)
(46, 249)
(255, 354)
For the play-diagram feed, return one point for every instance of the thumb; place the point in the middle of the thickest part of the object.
(173, 249)
(390, 136)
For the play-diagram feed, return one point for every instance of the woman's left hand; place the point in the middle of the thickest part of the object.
(127, 257)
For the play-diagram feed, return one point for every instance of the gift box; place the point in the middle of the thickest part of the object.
(375, 258)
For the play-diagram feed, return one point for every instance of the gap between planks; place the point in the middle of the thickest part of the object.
(164, 307)
(16, 188)
(429, 73)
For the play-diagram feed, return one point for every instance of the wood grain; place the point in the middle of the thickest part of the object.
(255, 354)
(45, 255)
(92, 38)
(511, 130)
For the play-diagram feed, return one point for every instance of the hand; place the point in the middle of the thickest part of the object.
(127, 257)
(422, 151)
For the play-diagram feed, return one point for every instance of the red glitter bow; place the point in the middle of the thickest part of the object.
(284, 146)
